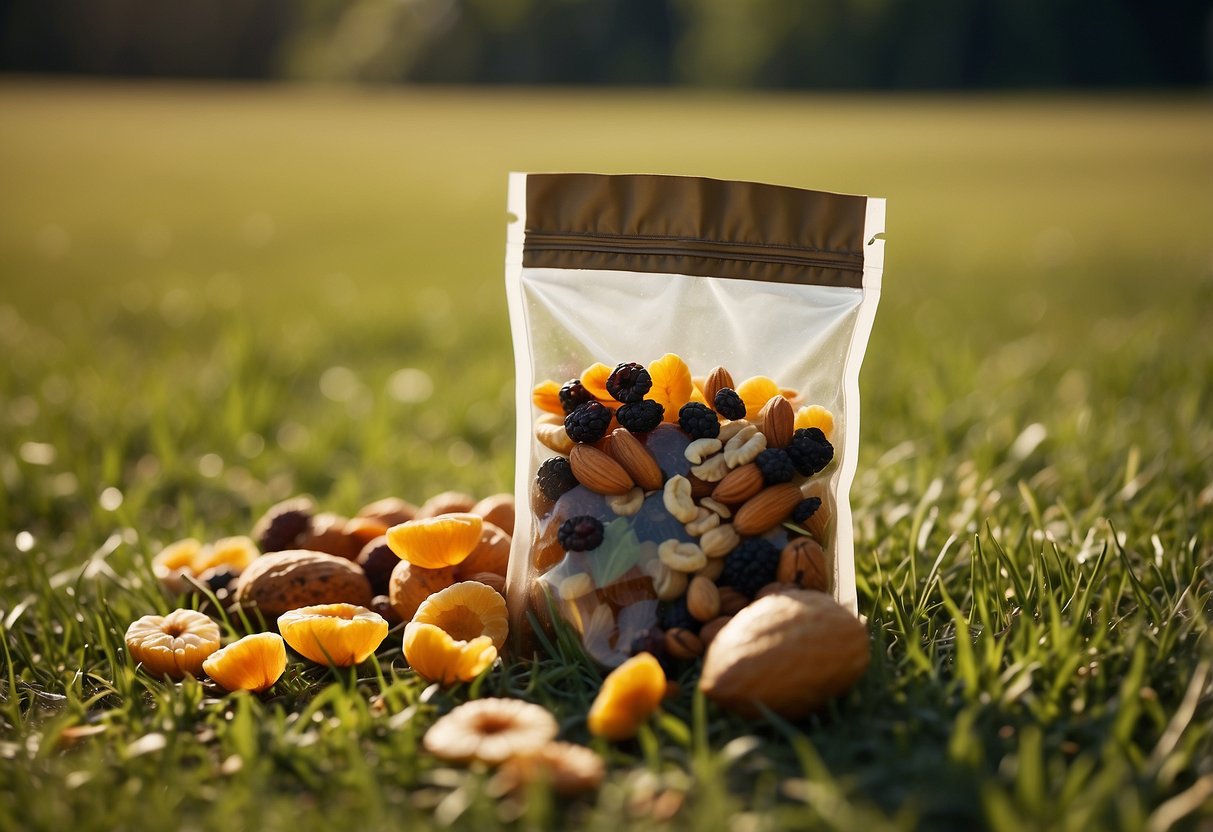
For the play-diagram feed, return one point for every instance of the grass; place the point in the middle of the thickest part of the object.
(212, 298)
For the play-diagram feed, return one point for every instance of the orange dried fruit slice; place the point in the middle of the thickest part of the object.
(546, 397)
(341, 635)
(175, 562)
(437, 657)
(254, 663)
(756, 392)
(628, 696)
(594, 380)
(815, 416)
(436, 542)
(467, 610)
(173, 645)
(672, 385)
(235, 553)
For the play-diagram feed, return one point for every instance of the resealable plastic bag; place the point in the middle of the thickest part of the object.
(649, 500)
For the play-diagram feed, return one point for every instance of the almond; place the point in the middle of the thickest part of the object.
(683, 644)
(767, 509)
(703, 599)
(778, 421)
(738, 485)
(635, 458)
(790, 652)
(803, 562)
(598, 472)
(717, 379)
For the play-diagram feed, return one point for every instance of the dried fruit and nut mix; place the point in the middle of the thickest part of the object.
(687, 354)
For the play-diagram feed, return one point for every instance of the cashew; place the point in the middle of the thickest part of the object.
(718, 542)
(667, 583)
(677, 499)
(576, 586)
(701, 449)
(744, 447)
(625, 505)
(729, 429)
(681, 557)
(719, 508)
(554, 437)
(713, 469)
(706, 519)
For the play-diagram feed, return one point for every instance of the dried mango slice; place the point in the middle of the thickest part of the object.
(334, 634)
(594, 379)
(437, 657)
(756, 392)
(672, 385)
(627, 697)
(815, 416)
(546, 397)
(697, 394)
(253, 663)
(436, 542)
(466, 611)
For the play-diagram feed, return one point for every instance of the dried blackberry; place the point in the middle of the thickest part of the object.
(573, 394)
(588, 422)
(283, 524)
(750, 566)
(775, 465)
(729, 404)
(810, 451)
(555, 477)
(675, 614)
(580, 534)
(805, 509)
(640, 417)
(698, 421)
(629, 382)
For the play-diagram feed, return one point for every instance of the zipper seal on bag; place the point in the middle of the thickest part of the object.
(546, 241)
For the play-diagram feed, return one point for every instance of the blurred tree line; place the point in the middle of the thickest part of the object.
(835, 44)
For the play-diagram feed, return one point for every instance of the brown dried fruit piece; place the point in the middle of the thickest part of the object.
(284, 581)
(391, 511)
(498, 510)
(448, 502)
(327, 534)
(410, 585)
(492, 553)
(791, 652)
(283, 524)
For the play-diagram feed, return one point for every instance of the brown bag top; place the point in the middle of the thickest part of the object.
(695, 226)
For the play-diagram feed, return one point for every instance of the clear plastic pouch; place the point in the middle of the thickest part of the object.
(699, 285)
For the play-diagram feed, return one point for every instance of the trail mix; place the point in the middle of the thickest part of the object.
(669, 503)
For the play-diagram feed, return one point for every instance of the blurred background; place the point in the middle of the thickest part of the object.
(786, 44)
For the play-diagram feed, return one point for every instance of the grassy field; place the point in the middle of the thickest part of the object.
(207, 299)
